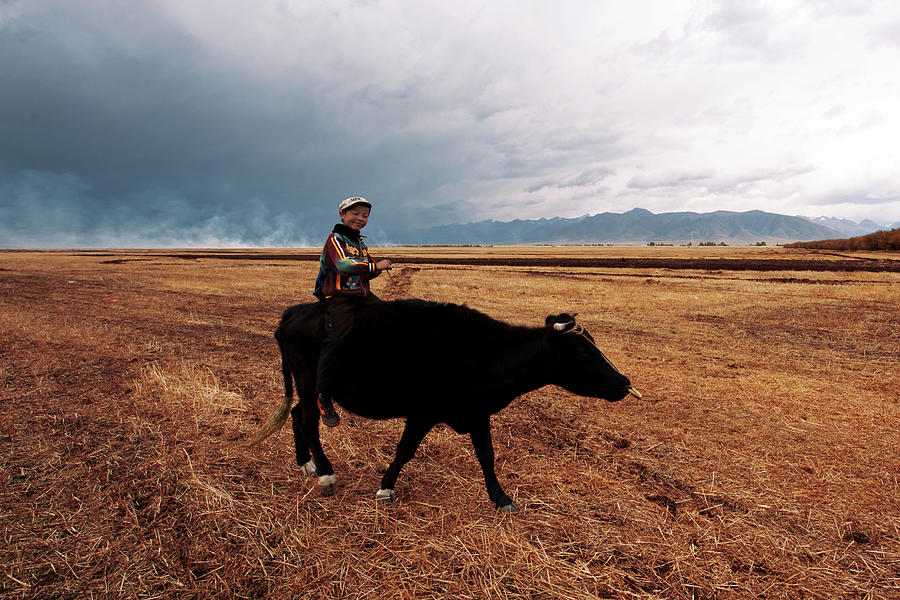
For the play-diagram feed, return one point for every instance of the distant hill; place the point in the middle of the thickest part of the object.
(880, 240)
(637, 226)
(848, 227)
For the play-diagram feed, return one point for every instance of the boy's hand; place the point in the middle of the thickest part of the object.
(383, 265)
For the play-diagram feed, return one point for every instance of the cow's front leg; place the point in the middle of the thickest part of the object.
(413, 434)
(484, 450)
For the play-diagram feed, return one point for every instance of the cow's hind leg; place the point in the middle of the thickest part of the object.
(484, 450)
(413, 434)
(301, 448)
(305, 422)
(304, 459)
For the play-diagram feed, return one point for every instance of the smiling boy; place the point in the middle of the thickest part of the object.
(345, 269)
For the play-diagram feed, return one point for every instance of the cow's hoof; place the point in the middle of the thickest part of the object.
(327, 485)
(386, 496)
(508, 509)
(308, 468)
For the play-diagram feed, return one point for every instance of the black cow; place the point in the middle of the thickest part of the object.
(433, 363)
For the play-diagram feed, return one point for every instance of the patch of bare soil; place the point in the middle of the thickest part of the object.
(701, 264)
(888, 264)
(692, 259)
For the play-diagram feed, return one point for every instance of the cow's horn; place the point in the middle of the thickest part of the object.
(563, 326)
(635, 393)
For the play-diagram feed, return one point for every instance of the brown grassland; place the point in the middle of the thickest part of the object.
(763, 461)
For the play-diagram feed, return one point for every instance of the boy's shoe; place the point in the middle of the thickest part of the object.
(326, 409)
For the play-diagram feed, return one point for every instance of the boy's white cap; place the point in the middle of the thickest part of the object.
(353, 202)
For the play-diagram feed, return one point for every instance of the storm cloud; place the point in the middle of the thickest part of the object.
(245, 123)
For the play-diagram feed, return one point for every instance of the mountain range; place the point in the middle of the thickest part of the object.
(851, 228)
(639, 227)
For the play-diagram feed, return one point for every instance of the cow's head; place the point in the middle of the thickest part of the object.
(583, 368)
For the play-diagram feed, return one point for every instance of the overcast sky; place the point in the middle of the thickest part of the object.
(210, 123)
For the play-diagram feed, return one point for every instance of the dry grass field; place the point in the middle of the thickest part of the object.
(763, 461)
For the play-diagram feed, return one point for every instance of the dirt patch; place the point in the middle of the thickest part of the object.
(701, 264)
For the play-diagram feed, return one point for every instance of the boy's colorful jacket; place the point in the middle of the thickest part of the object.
(345, 267)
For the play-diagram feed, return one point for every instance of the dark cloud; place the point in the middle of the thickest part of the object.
(150, 132)
(45, 209)
(128, 122)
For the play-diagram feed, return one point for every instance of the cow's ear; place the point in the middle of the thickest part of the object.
(562, 322)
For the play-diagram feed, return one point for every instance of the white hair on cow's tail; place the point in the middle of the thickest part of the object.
(327, 480)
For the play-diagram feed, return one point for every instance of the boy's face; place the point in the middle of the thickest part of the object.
(355, 217)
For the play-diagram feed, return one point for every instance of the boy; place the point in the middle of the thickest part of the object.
(345, 269)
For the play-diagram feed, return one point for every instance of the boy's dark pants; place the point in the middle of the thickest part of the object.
(340, 312)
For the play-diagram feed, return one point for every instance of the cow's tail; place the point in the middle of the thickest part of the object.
(278, 418)
(288, 378)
